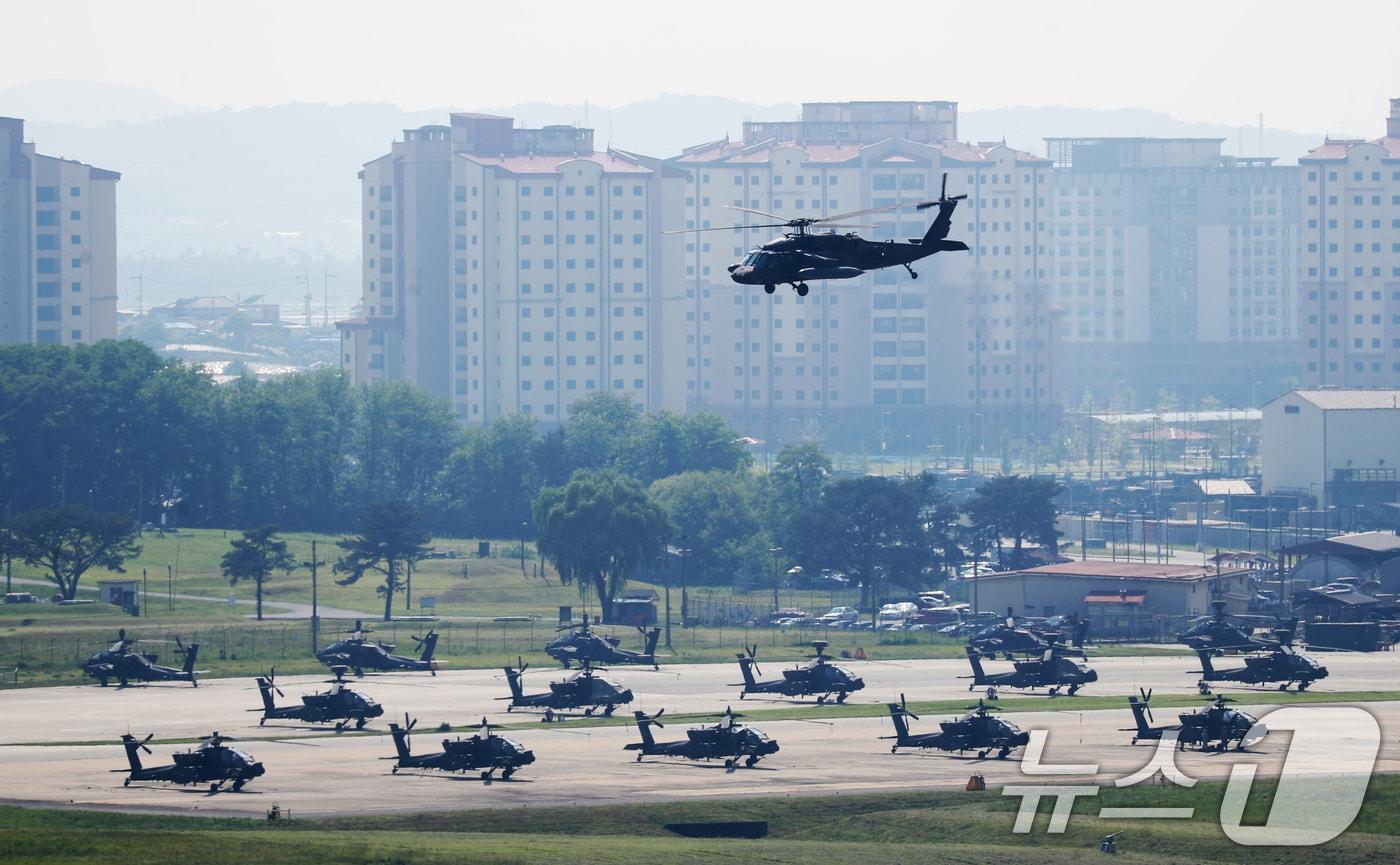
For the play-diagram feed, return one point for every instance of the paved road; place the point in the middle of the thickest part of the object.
(330, 775)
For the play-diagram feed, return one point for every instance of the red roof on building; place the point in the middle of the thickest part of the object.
(1337, 149)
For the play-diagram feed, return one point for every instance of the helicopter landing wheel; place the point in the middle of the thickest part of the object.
(607, 713)
(394, 771)
(802, 289)
(238, 785)
(981, 755)
(821, 700)
(751, 762)
(913, 274)
(1002, 754)
(729, 764)
(588, 713)
(262, 721)
(486, 776)
(213, 788)
(360, 723)
(769, 288)
(1073, 689)
(126, 783)
(1302, 686)
(639, 757)
(1283, 687)
(509, 709)
(841, 697)
(505, 775)
(894, 749)
(339, 726)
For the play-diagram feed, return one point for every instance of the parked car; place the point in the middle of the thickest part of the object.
(838, 616)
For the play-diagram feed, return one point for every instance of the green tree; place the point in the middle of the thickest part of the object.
(387, 538)
(488, 485)
(599, 428)
(254, 557)
(716, 513)
(880, 530)
(794, 486)
(598, 529)
(1016, 507)
(68, 541)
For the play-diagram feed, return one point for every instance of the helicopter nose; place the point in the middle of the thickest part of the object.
(527, 757)
(626, 696)
(732, 268)
(1093, 676)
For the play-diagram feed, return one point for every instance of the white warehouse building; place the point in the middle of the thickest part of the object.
(1341, 446)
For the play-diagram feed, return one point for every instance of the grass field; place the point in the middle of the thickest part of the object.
(931, 827)
(43, 644)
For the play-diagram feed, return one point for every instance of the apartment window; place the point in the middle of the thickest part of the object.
(45, 194)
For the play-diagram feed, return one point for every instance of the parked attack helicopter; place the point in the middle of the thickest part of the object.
(580, 643)
(212, 763)
(584, 690)
(1219, 633)
(360, 654)
(1281, 664)
(1051, 670)
(976, 731)
(339, 705)
(800, 254)
(122, 662)
(485, 751)
(817, 677)
(1210, 729)
(1009, 638)
(728, 740)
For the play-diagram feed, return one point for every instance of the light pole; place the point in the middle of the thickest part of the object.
(775, 551)
(685, 594)
(666, 563)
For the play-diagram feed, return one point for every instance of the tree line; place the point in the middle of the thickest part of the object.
(96, 437)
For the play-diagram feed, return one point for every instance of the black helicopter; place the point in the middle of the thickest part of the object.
(122, 662)
(1219, 632)
(212, 763)
(800, 255)
(1210, 729)
(485, 751)
(817, 677)
(1010, 638)
(339, 705)
(1280, 663)
(1051, 670)
(579, 643)
(728, 740)
(584, 690)
(360, 654)
(976, 731)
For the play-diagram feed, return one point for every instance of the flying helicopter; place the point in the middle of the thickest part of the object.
(122, 662)
(340, 704)
(1051, 670)
(212, 762)
(976, 731)
(800, 254)
(360, 654)
(1209, 729)
(580, 643)
(584, 690)
(1280, 663)
(1219, 632)
(728, 740)
(817, 677)
(1010, 638)
(485, 751)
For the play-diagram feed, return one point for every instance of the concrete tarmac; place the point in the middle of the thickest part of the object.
(329, 775)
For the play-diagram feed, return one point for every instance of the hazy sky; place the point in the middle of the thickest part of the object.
(1304, 65)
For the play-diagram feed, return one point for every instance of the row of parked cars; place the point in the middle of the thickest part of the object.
(929, 611)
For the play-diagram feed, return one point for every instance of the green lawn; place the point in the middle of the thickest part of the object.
(931, 827)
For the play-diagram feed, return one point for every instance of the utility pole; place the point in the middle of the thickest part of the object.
(140, 292)
(315, 617)
(665, 563)
(169, 587)
(408, 586)
(775, 551)
(305, 281)
(326, 296)
(9, 562)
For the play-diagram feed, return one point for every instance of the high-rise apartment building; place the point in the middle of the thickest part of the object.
(1351, 260)
(1175, 268)
(58, 245)
(516, 270)
(884, 357)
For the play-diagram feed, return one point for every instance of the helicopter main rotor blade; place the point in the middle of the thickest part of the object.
(837, 217)
(755, 212)
(727, 228)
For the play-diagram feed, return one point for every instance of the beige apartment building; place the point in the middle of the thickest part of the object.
(1176, 268)
(516, 270)
(1351, 260)
(58, 245)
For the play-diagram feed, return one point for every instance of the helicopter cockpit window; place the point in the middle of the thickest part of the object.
(753, 259)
